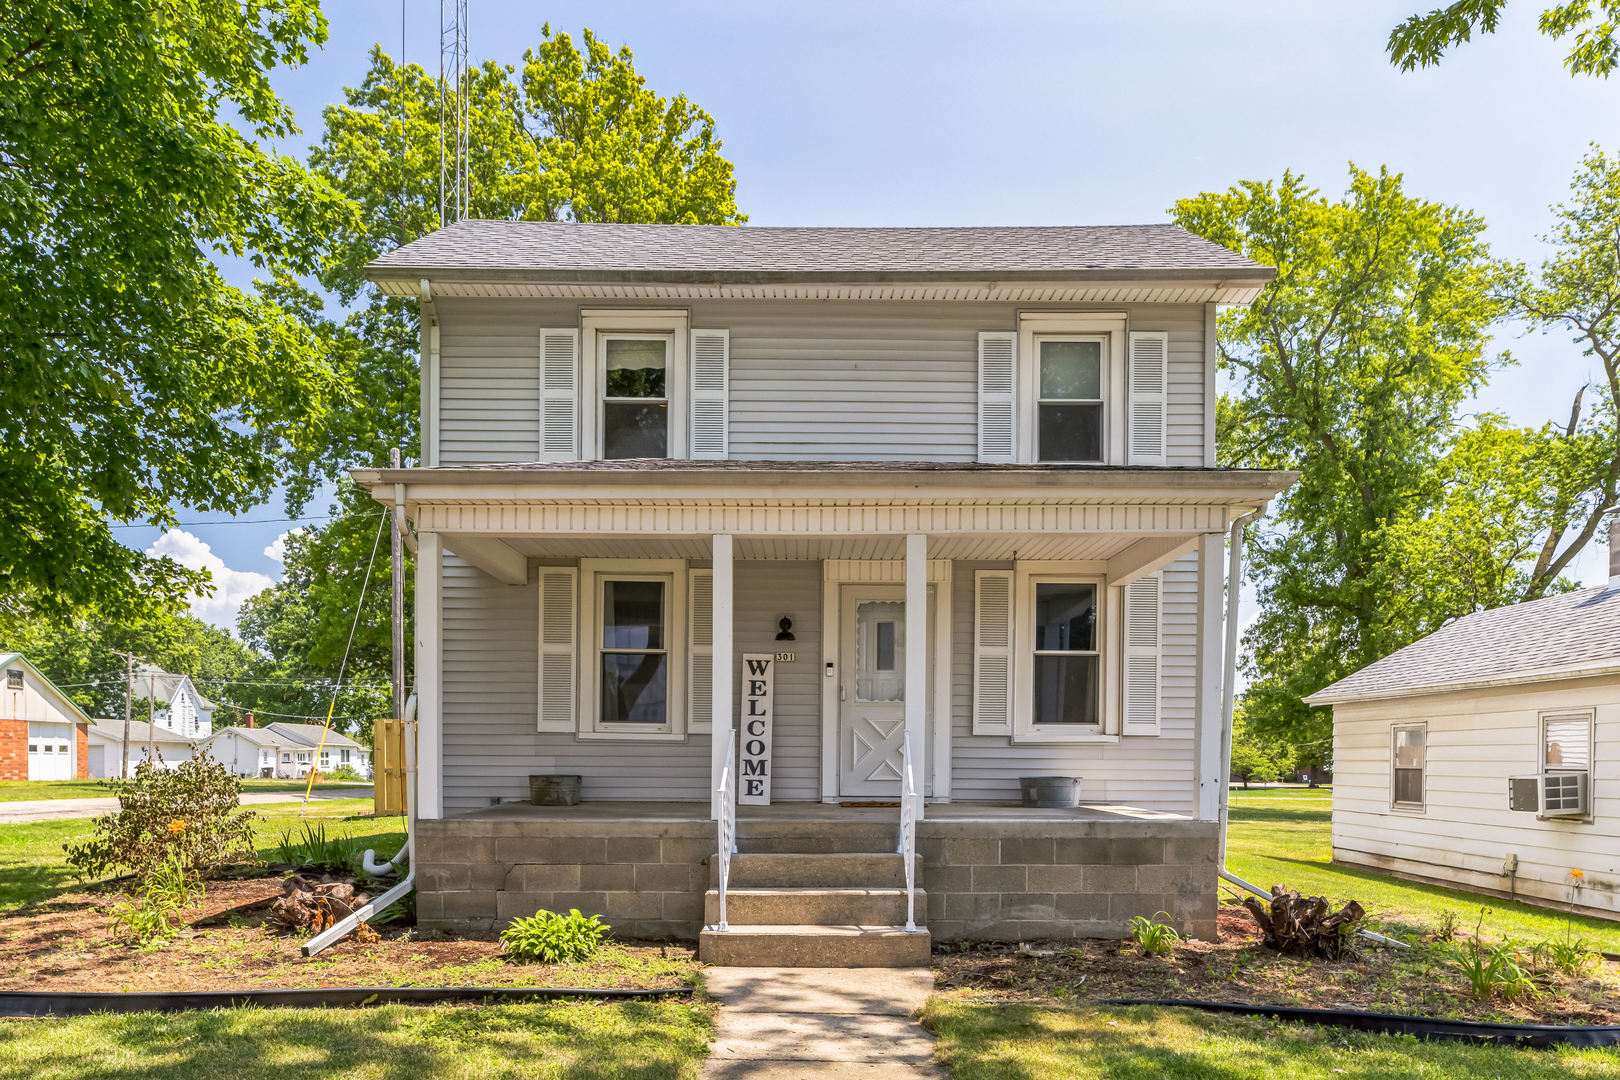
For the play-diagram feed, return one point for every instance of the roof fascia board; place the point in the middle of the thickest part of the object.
(1213, 276)
(1584, 670)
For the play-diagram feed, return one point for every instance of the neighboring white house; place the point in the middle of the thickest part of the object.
(1487, 755)
(286, 751)
(42, 731)
(106, 747)
(951, 489)
(180, 708)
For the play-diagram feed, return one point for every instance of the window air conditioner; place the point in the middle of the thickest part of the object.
(1563, 794)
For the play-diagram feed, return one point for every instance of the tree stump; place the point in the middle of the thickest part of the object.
(306, 905)
(1298, 925)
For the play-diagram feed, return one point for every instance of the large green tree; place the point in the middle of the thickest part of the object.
(573, 133)
(1423, 39)
(1350, 367)
(135, 379)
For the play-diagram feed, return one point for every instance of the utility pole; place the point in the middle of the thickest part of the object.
(397, 548)
(129, 695)
(151, 715)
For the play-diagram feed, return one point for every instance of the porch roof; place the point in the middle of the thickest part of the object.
(1136, 519)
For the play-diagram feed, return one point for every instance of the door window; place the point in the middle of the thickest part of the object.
(880, 651)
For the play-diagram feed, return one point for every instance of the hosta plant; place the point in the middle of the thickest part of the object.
(549, 938)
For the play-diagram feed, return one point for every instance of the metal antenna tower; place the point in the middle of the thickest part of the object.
(455, 88)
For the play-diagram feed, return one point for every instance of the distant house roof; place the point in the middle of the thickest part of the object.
(140, 732)
(309, 735)
(1565, 636)
(165, 685)
(7, 659)
(570, 251)
(257, 736)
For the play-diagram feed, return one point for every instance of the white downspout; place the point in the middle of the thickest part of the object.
(1234, 571)
(407, 854)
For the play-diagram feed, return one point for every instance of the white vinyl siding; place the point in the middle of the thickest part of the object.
(1475, 741)
(836, 380)
(1153, 773)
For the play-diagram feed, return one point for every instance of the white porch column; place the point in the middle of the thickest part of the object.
(429, 683)
(917, 652)
(721, 738)
(1211, 674)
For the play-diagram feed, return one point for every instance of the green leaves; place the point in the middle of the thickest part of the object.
(135, 378)
(1422, 40)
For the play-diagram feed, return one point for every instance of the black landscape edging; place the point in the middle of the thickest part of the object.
(1424, 1027)
(84, 1003)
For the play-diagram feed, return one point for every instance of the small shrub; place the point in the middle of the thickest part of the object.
(150, 916)
(1154, 938)
(191, 812)
(310, 848)
(549, 938)
(344, 772)
(1449, 923)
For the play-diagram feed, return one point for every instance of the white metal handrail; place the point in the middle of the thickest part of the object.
(728, 826)
(908, 832)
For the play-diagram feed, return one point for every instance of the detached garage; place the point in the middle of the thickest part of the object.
(43, 734)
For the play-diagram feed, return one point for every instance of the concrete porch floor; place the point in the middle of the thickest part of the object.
(807, 812)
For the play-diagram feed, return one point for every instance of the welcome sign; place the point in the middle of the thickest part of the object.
(758, 701)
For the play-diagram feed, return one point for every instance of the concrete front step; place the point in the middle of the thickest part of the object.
(805, 837)
(846, 870)
(815, 907)
(814, 946)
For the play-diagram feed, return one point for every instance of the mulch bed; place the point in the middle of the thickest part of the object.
(230, 943)
(1237, 968)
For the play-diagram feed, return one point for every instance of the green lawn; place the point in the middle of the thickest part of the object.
(1283, 836)
(26, 790)
(33, 866)
(635, 1041)
(1015, 1042)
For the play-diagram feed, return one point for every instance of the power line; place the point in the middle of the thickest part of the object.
(238, 521)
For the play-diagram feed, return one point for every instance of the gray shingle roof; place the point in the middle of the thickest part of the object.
(140, 733)
(309, 735)
(542, 250)
(1568, 631)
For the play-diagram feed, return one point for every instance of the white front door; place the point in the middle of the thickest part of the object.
(872, 692)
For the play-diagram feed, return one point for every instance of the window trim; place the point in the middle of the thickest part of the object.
(602, 400)
(596, 322)
(1409, 807)
(1101, 402)
(1110, 325)
(593, 574)
(1026, 575)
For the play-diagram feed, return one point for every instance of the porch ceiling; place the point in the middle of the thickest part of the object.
(983, 546)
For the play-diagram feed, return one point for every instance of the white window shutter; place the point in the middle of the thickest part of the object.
(559, 394)
(711, 374)
(559, 636)
(998, 372)
(700, 651)
(1149, 393)
(992, 652)
(1142, 655)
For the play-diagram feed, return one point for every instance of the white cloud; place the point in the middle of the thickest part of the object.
(277, 551)
(231, 587)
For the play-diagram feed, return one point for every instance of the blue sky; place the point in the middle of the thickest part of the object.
(1042, 112)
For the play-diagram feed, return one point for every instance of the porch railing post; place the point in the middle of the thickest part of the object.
(720, 696)
(917, 647)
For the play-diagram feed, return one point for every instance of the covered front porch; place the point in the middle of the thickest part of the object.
(946, 561)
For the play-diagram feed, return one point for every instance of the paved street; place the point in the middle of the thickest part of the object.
(52, 809)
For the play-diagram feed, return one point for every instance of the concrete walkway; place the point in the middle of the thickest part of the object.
(52, 809)
(820, 1024)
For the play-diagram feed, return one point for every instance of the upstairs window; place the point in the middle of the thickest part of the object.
(14, 679)
(1408, 762)
(1069, 411)
(635, 395)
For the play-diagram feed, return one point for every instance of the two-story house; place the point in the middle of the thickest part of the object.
(815, 543)
(178, 706)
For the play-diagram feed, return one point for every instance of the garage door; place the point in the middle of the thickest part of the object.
(98, 762)
(49, 752)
